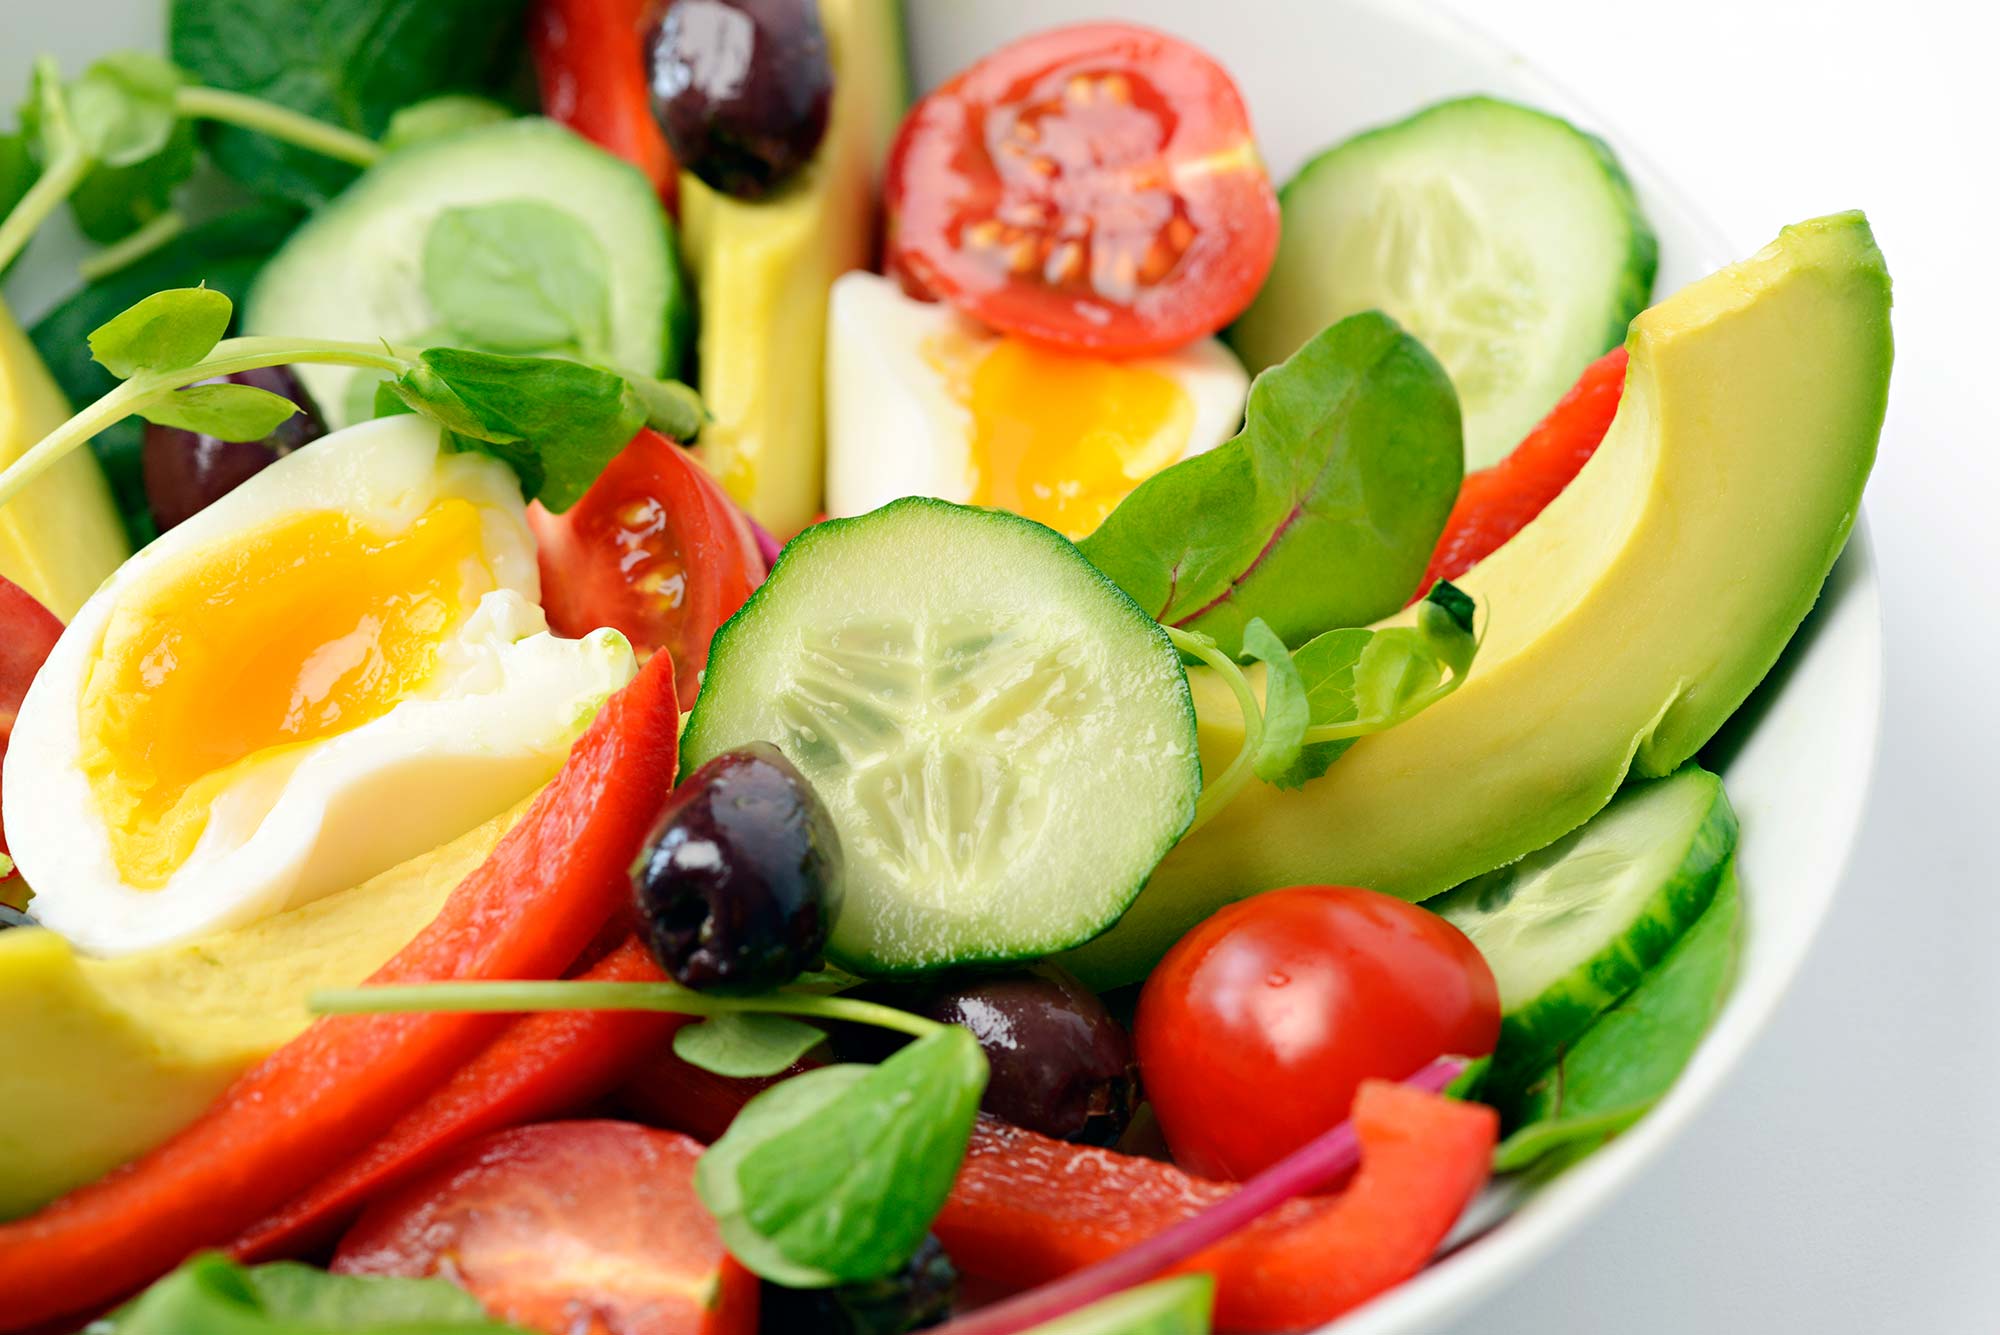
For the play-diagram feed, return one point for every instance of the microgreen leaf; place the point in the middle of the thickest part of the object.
(17, 171)
(672, 409)
(745, 1046)
(167, 331)
(1323, 510)
(211, 1293)
(226, 411)
(1286, 711)
(835, 1175)
(434, 117)
(122, 107)
(518, 276)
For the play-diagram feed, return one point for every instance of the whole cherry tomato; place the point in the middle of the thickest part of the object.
(1259, 1025)
(1094, 187)
(590, 60)
(656, 550)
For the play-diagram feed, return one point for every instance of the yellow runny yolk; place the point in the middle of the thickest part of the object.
(1062, 439)
(296, 632)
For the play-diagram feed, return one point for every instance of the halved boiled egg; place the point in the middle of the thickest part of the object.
(924, 402)
(337, 666)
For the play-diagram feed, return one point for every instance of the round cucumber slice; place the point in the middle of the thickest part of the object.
(1504, 238)
(357, 268)
(1003, 738)
(1573, 928)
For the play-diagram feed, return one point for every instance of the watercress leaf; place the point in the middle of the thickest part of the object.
(213, 1295)
(354, 63)
(164, 332)
(1321, 513)
(122, 108)
(518, 276)
(225, 411)
(1632, 1054)
(1286, 710)
(447, 113)
(672, 409)
(837, 1175)
(745, 1045)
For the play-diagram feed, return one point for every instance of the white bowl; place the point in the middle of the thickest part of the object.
(1796, 759)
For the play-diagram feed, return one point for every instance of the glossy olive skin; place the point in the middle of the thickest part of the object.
(1060, 1065)
(741, 88)
(186, 473)
(917, 1297)
(739, 882)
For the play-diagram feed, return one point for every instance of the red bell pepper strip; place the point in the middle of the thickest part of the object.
(1496, 503)
(1027, 1209)
(528, 911)
(543, 1066)
(27, 632)
(590, 59)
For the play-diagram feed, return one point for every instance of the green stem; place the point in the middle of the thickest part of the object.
(230, 356)
(281, 123)
(44, 197)
(129, 250)
(565, 995)
(1220, 793)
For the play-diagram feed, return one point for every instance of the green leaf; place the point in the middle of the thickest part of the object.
(1321, 513)
(435, 117)
(113, 202)
(1632, 1054)
(225, 411)
(17, 171)
(672, 409)
(214, 1296)
(835, 1176)
(122, 108)
(745, 1045)
(1286, 710)
(518, 276)
(164, 332)
(354, 63)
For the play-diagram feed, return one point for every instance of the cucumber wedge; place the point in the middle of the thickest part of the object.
(1177, 1306)
(1505, 238)
(1571, 929)
(1004, 739)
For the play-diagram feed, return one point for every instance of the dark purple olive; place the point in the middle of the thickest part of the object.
(739, 882)
(1060, 1065)
(741, 89)
(917, 1297)
(186, 473)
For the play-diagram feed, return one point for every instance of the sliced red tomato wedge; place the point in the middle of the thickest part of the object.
(1028, 1209)
(27, 632)
(574, 1228)
(1095, 188)
(656, 550)
(590, 60)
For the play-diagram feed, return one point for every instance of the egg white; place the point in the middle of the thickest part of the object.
(490, 726)
(895, 426)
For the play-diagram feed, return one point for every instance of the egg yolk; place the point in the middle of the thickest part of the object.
(290, 634)
(1062, 439)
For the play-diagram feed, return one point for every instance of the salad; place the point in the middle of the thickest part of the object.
(688, 695)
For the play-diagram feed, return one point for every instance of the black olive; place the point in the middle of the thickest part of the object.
(739, 882)
(1060, 1065)
(917, 1297)
(741, 88)
(186, 472)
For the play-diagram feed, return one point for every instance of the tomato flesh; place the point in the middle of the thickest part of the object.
(1093, 187)
(1259, 1025)
(574, 1228)
(1027, 1209)
(28, 631)
(655, 550)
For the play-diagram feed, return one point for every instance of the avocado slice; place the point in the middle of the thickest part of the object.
(1622, 627)
(101, 1060)
(763, 269)
(61, 536)
(1176, 1306)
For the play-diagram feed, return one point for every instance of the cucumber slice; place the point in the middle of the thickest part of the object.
(1177, 1306)
(355, 269)
(1003, 738)
(1506, 239)
(1571, 929)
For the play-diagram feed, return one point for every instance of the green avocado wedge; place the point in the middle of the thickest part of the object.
(1622, 626)
(1177, 1306)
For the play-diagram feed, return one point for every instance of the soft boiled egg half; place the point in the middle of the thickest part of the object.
(335, 667)
(924, 402)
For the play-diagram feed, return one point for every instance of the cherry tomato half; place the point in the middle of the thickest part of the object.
(1095, 188)
(27, 632)
(1259, 1025)
(574, 1228)
(656, 550)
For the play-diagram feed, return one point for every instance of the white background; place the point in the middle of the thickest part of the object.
(1847, 1179)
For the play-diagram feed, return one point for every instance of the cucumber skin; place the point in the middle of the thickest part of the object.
(697, 749)
(1531, 1037)
(1642, 256)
